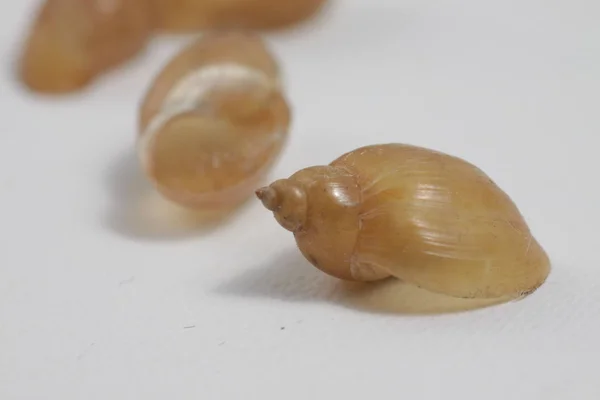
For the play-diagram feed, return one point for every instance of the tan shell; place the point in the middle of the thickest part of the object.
(71, 42)
(428, 218)
(190, 15)
(213, 122)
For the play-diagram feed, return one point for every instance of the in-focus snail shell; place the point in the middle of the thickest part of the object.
(428, 218)
(190, 15)
(213, 122)
(71, 42)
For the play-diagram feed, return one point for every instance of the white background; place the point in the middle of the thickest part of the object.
(103, 297)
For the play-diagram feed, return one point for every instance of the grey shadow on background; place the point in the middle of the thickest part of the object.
(136, 210)
(289, 277)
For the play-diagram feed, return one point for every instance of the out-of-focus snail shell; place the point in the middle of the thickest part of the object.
(190, 15)
(213, 122)
(71, 42)
(428, 218)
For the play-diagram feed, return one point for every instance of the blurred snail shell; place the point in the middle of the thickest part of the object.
(190, 15)
(213, 122)
(427, 218)
(71, 42)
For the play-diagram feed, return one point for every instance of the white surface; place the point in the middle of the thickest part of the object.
(94, 301)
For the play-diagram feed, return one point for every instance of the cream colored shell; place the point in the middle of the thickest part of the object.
(190, 15)
(422, 216)
(213, 122)
(72, 42)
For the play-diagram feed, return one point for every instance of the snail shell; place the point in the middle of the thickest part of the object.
(71, 42)
(428, 218)
(190, 15)
(213, 122)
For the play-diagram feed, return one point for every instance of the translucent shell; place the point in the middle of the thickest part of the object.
(213, 122)
(71, 42)
(189, 15)
(428, 218)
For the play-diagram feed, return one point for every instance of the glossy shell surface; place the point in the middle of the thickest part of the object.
(441, 223)
(71, 42)
(230, 122)
(190, 15)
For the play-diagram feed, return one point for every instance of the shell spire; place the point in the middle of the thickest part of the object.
(269, 198)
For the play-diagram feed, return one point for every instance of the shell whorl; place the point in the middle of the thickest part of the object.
(441, 223)
(321, 205)
(288, 201)
(192, 93)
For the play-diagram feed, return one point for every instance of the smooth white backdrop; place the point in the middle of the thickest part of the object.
(103, 298)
